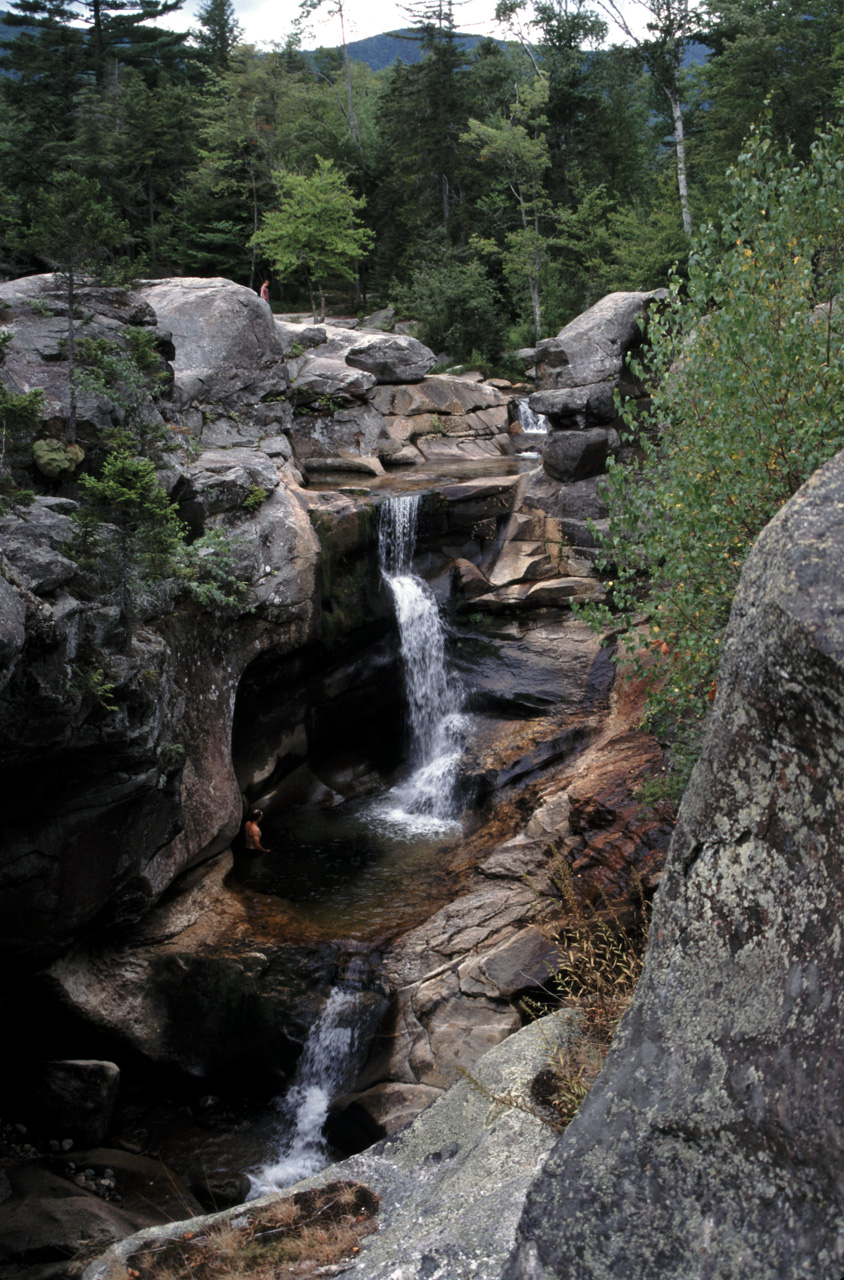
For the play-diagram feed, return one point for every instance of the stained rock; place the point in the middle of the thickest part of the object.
(592, 348)
(576, 455)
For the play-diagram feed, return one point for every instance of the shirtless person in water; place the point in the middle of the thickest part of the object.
(252, 832)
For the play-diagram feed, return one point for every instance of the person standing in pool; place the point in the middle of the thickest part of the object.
(252, 832)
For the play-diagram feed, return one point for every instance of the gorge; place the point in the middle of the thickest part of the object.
(139, 932)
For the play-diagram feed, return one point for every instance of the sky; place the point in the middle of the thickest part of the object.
(266, 22)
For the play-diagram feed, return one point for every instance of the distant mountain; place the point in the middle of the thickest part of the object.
(379, 52)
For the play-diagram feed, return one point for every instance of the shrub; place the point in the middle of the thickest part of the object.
(747, 368)
(457, 307)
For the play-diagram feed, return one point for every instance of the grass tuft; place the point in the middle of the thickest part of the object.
(298, 1235)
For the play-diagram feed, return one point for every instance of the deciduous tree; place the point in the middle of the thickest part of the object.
(314, 231)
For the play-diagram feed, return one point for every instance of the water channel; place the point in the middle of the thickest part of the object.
(361, 858)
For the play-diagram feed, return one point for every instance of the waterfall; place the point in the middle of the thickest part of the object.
(532, 424)
(434, 700)
(326, 1067)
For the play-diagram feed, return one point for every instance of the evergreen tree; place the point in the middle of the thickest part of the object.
(73, 228)
(219, 31)
(140, 545)
(42, 66)
(516, 146)
(776, 53)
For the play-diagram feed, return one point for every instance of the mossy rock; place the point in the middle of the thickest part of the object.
(55, 458)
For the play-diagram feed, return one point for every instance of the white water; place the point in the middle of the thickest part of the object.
(532, 424)
(323, 1071)
(426, 799)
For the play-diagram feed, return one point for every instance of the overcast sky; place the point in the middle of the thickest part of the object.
(266, 22)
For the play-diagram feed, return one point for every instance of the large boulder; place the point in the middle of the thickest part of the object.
(711, 1144)
(228, 351)
(451, 1183)
(34, 313)
(391, 357)
(592, 348)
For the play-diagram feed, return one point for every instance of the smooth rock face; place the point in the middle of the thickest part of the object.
(711, 1144)
(228, 349)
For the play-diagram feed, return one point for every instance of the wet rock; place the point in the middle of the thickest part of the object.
(74, 1097)
(185, 989)
(720, 1090)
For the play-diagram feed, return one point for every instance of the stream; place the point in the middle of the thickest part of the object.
(357, 862)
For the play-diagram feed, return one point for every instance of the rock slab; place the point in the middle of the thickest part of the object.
(711, 1144)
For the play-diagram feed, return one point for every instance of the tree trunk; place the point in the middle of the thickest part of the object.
(353, 124)
(680, 146)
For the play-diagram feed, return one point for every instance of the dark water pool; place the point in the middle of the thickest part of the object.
(360, 870)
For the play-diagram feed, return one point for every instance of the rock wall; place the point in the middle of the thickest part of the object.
(711, 1144)
(211, 708)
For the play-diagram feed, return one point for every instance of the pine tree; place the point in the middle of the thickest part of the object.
(218, 33)
(72, 229)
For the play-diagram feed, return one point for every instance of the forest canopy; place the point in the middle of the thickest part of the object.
(541, 167)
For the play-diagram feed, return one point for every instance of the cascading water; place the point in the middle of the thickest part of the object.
(534, 430)
(434, 699)
(327, 1065)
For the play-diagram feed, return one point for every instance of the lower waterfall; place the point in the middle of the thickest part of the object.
(326, 1067)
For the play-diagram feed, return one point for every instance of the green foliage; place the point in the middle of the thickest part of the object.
(255, 498)
(94, 683)
(20, 419)
(457, 307)
(314, 231)
(74, 226)
(210, 572)
(127, 369)
(130, 542)
(749, 380)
